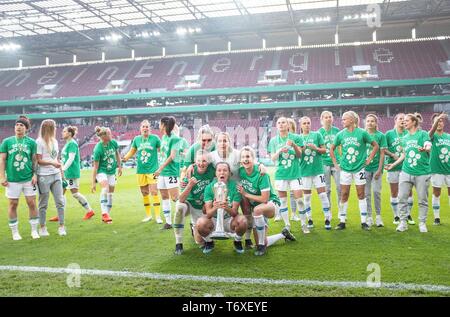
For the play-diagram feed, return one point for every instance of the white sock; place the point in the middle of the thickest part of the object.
(104, 201)
(293, 204)
(435, 201)
(394, 205)
(284, 212)
(34, 222)
(238, 238)
(363, 209)
(109, 202)
(301, 210)
(307, 198)
(260, 228)
(274, 238)
(325, 205)
(180, 212)
(410, 205)
(343, 211)
(82, 200)
(14, 225)
(166, 211)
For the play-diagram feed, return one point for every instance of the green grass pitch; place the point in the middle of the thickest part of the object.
(129, 245)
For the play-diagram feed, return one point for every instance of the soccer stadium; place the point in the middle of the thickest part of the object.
(224, 148)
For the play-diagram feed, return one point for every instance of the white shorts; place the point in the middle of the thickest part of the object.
(73, 183)
(167, 182)
(194, 212)
(104, 177)
(439, 180)
(317, 181)
(393, 177)
(13, 190)
(359, 178)
(287, 185)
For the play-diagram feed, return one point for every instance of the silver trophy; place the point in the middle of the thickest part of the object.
(220, 194)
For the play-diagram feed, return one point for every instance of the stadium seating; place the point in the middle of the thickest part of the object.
(315, 65)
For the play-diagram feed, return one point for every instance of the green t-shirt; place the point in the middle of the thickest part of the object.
(354, 149)
(440, 154)
(288, 164)
(196, 196)
(328, 139)
(416, 163)
(380, 138)
(169, 143)
(311, 163)
(393, 140)
(255, 183)
(233, 194)
(106, 157)
(189, 158)
(19, 158)
(74, 169)
(146, 153)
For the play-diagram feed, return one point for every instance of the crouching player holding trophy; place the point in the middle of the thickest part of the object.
(222, 220)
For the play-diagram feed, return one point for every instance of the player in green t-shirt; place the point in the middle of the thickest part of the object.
(191, 199)
(205, 141)
(234, 224)
(329, 132)
(393, 151)
(18, 160)
(106, 162)
(354, 158)
(416, 147)
(311, 169)
(439, 162)
(285, 150)
(262, 202)
(168, 173)
(146, 146)
(70, 156)
(374, 171)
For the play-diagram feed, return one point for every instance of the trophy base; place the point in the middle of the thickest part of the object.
(219, 236)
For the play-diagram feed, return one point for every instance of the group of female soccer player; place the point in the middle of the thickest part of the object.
(303, 159)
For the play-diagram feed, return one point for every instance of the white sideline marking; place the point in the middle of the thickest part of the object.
(220, 279)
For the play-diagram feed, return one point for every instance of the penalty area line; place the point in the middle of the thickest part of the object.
(222, 279)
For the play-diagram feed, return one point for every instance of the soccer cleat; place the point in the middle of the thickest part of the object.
(209, 246)
(159, 221)
(248, 244)
(178, 248)
(238, 247)
(260, 250)
(166, 227)
(403, 226)
(396, 220)
(106, 218)
(16, 236)
(295, 217)
(423, 227)
(89, 215)
(365, 226)
(35, 234)
(369, 221)
(310, 224)
(327, 225)
(305, 229)
(147, 219)
(379, 222)
(411, 221)
(288, 235)
(62, 231)
(277, 218)
(437, 222)
(54, 219)
(43, 232)
(340, 226)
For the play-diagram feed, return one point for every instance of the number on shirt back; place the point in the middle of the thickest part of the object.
(173, 180)
(362, 175)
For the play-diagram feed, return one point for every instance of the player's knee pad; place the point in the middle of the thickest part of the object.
(76, 195)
